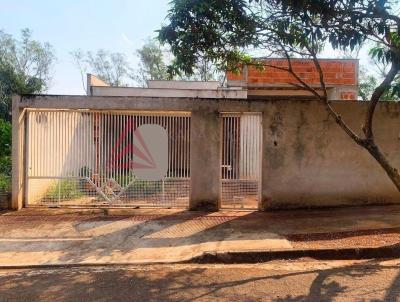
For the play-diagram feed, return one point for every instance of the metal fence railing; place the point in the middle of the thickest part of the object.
(85, 158)
(240, 160)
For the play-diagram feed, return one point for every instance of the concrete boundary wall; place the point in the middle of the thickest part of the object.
(307, 160)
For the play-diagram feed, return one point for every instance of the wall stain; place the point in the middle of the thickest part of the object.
(275, 157)
(274, 153)
(299, 146)
(276, 125)
(322, 141)
(389, 109)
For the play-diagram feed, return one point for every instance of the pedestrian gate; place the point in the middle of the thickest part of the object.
(241, 160)
(83, 158)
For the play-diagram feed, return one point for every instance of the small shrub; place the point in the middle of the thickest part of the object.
(5, 138)
(5, 165)
(5, 183)
(64, 189)
(5, 156)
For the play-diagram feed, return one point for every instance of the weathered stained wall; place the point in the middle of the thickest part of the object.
(204, 159)
(308, 161)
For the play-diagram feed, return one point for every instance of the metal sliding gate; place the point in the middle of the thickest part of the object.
(241, 160)
(83, 158)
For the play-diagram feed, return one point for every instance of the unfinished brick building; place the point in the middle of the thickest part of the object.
(341, 78)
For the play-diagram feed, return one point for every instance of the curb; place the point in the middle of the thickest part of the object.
(318, 254)
(244, 257)
(77, 265)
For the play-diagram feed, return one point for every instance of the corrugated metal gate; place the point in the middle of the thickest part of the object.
(83, 158)
(241, 160)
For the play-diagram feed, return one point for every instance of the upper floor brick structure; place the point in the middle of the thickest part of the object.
(341, 78)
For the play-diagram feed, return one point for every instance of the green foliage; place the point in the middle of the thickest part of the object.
(24, 68)
(5, 155)
(64, 189)
(5, 183)
(369, 82)
(152, 63)
(212, 30)
(367, 86)
(5, 138)
(224, 31)
(388, 54)
(5, 165)
(154, 66)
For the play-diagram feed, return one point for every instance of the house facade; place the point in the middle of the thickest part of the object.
(227, 148)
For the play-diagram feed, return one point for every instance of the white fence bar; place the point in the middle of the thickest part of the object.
(83, 158)
(240, 160)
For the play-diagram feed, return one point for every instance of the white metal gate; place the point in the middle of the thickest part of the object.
(83, 158)
(241, 160)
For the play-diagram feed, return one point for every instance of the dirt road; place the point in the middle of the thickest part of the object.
(301, 280)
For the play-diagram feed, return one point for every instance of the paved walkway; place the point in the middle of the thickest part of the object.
(57, 237)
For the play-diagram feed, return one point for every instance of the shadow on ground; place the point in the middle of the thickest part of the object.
(360, 282)
(174, 236)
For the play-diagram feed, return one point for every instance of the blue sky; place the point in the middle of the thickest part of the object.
(114, 25)
(117, 25)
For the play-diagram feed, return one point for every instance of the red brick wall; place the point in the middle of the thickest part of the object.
(336, 72)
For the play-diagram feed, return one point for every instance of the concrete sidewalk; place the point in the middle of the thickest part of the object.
(76, 237)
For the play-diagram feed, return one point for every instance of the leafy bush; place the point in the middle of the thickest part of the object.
(5, 165)
(5, 138)
(64, 189)
(5, 156)
(5, 183)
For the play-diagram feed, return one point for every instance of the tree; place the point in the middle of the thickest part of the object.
(154, 66)
(367, 84)
(152, 63)
(25, 66)
(111, 67)
(222, 31)
(369, 80)
(206, 71)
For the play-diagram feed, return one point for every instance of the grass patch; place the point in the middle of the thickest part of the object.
(64, 189)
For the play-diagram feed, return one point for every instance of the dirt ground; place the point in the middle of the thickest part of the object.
(302, 280)
(364, 238)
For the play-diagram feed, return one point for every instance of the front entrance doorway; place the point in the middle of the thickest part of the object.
(241, 160)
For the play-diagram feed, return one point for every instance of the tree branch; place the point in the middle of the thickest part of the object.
(376, 95)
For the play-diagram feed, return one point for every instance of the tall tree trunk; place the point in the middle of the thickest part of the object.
(368, 142)
(378, 92)
(392, 172)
